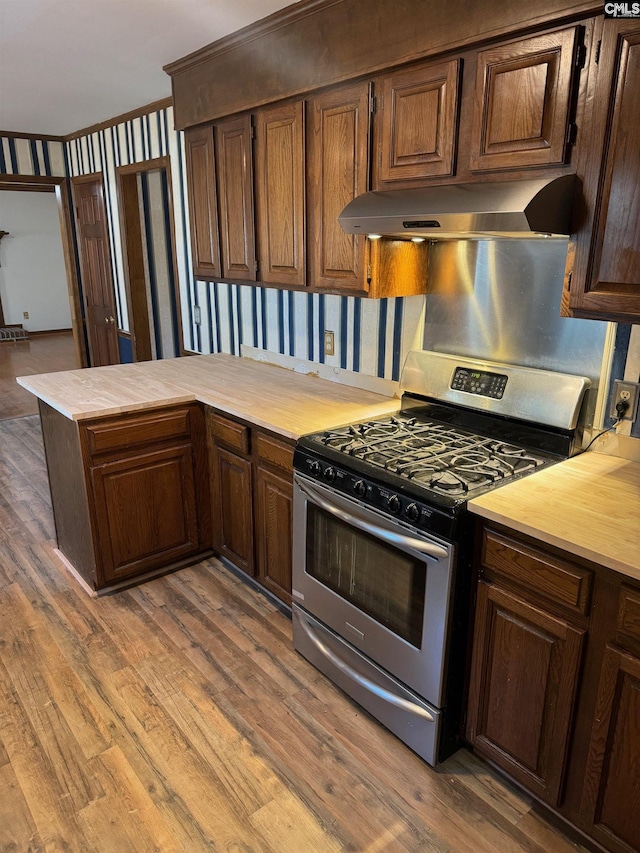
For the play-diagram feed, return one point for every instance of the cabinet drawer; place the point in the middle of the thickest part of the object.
(549, 577)
(229, 432)
(274, 452)
(629, 615)
(128, 432)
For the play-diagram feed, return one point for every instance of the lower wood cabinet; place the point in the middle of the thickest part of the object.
(129, 492)
(232, 481)
(611, 798)
(554, 693)
(145, 510)
(525, 674)
(251, 496)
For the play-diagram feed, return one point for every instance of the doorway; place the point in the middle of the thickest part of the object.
(61, 187)
(148, 241)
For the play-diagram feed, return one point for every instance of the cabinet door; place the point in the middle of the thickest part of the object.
(523, 101)
(523, 684)
(203, 205)
(146, 515)
(274, 507)
(338, 171)
(280, 198)
(232, 511)
(235, 188)
(612, 781)
(612, 283)
(419, 119)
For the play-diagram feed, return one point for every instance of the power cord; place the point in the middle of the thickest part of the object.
(621, 410)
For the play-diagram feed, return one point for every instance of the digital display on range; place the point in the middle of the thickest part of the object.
(479, 382)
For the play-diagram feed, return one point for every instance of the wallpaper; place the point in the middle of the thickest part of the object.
(371, 336)
(31, 157)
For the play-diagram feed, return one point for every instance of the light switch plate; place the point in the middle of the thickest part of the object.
(197, 317)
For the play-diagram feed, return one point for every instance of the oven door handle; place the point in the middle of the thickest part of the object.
(371, 686)
(430, 549)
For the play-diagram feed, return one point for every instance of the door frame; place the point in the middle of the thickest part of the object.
(62, 189)
(94, 177)
(132, 252)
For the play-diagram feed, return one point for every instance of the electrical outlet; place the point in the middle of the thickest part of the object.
(197, 316)
(627, 392)
(25, 314)
(328, 343)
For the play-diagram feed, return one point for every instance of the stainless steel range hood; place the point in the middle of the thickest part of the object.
(516, 209)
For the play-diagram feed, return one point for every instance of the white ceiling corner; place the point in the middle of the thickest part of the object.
(68, 64)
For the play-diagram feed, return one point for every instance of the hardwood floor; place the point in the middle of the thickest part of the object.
(176, 717)
(40, 354)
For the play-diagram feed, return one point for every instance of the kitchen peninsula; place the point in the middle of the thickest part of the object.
(153, 464)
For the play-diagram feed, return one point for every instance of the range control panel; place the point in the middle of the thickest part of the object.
(479, 382)
(407, 509)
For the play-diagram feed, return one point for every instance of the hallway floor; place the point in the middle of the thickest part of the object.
(40, 354)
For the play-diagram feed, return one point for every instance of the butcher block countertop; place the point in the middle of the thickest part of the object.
(281, 400)
(588, 506)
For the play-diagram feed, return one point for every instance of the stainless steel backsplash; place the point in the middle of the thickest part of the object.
(500, 300)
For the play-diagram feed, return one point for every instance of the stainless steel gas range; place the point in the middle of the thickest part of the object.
(383, 541)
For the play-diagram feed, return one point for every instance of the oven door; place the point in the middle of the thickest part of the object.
(383, 587)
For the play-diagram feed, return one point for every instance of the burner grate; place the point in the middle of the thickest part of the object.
(438, 456)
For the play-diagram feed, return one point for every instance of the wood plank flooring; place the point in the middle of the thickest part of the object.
(40, 354)
(176, 717)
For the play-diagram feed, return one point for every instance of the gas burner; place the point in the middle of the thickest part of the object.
(439, 456)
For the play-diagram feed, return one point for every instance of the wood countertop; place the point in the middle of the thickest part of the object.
(588, 505)
(283, 401)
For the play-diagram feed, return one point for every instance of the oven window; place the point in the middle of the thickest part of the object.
(375, 577)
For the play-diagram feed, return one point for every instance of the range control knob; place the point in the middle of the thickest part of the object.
(360, 488)
(412, 512)
(394, 504)
(315, 468)
(329, 474)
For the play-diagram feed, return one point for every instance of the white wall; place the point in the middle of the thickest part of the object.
(32, 272)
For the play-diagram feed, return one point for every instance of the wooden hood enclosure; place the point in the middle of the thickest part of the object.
(339, 97)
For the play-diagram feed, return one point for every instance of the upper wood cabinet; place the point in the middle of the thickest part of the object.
(280, 194)
(235, 190)
(417, 117)
(605, 281)
(203, 203)
(523, 99)
(338, 171)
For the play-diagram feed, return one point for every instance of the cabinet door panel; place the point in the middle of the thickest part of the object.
(613, 275)
(145, 510)
(280, 185)
(203, 205)
(338, 171)
(524, 678)
(235, 186)
(232, 512)
(274, 510)
(612, 780)
(419, 122)
(523, 99)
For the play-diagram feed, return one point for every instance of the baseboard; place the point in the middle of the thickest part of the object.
(49, 332)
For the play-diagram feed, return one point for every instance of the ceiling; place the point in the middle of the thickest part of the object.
(68, 64)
